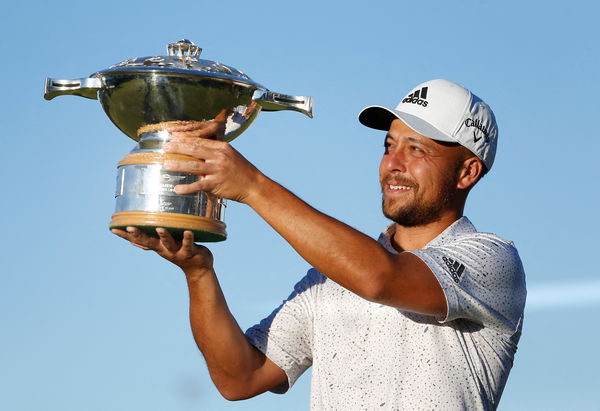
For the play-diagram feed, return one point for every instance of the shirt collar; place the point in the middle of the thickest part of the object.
(461, 226)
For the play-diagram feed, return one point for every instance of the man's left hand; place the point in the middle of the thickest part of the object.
(223, 171)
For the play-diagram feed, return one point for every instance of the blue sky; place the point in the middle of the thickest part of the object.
(88, 322)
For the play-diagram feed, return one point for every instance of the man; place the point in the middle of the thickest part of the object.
(426, 317)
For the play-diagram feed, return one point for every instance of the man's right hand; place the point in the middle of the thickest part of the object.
(193, 259)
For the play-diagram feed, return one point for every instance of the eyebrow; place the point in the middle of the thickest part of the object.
(412, 139)
(416, 140)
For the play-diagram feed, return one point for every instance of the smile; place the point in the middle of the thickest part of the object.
(398, 188)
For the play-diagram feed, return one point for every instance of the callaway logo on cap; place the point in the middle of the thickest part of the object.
(443, 111)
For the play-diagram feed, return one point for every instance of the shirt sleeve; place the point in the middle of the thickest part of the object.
(285, 336)
(482, 278)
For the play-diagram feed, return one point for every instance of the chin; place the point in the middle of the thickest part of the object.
(412, 215)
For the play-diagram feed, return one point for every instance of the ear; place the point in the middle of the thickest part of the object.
(469, 173)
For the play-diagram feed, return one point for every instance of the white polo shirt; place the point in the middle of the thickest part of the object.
(368, 356)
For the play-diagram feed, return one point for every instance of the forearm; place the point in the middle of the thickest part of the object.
(234, 364)
(342, 253)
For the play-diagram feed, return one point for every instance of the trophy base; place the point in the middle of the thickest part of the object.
(205, 229)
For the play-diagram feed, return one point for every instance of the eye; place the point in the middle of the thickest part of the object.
(386, 146)
(417, 151)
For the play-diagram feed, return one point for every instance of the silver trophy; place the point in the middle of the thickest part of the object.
(145, 96)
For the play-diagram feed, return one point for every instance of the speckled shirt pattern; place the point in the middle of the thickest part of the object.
(368, 356)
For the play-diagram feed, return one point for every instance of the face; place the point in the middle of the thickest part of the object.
(418, 176)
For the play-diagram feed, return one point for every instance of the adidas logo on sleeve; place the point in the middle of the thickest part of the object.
(455, 268)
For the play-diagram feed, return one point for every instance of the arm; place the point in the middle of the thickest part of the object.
(237, 368)
(347, 256)
(343, 254)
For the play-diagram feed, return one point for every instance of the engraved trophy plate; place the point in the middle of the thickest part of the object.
(142, 97)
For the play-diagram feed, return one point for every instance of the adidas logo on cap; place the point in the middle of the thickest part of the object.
(417, 97)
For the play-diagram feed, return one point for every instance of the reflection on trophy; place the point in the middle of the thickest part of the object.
(146, 96)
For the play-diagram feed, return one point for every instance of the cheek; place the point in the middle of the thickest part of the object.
(420, 170)
(382, 169)
(429, 174)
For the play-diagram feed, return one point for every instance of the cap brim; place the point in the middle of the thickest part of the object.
(380, 118)
(377, 117)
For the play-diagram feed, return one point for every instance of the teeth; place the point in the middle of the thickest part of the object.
(393, 187)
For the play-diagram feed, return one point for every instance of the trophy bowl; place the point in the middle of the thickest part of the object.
(145, 96)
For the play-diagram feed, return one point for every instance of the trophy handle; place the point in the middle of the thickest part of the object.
(276, 101)
(85, 87)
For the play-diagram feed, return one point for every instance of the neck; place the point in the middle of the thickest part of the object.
(415, 238)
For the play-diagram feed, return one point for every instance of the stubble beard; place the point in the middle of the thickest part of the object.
(419, 213)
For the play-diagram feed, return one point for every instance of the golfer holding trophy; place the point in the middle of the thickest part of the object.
(426, 317)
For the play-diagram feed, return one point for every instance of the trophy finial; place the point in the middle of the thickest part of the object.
(184, 49)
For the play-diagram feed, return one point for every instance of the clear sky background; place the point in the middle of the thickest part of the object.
(88, 322)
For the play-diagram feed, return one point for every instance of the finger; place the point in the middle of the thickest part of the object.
(190, 167)
(222, 116)
(121, 233)
(207, 130)
(189, 145)
(167, 240)
(187, 125)
(141, 246)
(139, 238)
(187, 243)
(199, 148)
(126, 236)
(200, 185)
(194, 149)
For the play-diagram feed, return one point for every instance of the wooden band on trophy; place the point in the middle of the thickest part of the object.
(209, 229)
(152, 157)
(165, 125)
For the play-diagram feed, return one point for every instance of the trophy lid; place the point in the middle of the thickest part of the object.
(176, 87)
(183, 58)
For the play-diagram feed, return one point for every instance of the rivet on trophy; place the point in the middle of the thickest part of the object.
(145, 97)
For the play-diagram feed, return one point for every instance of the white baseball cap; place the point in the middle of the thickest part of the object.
(443, 111)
